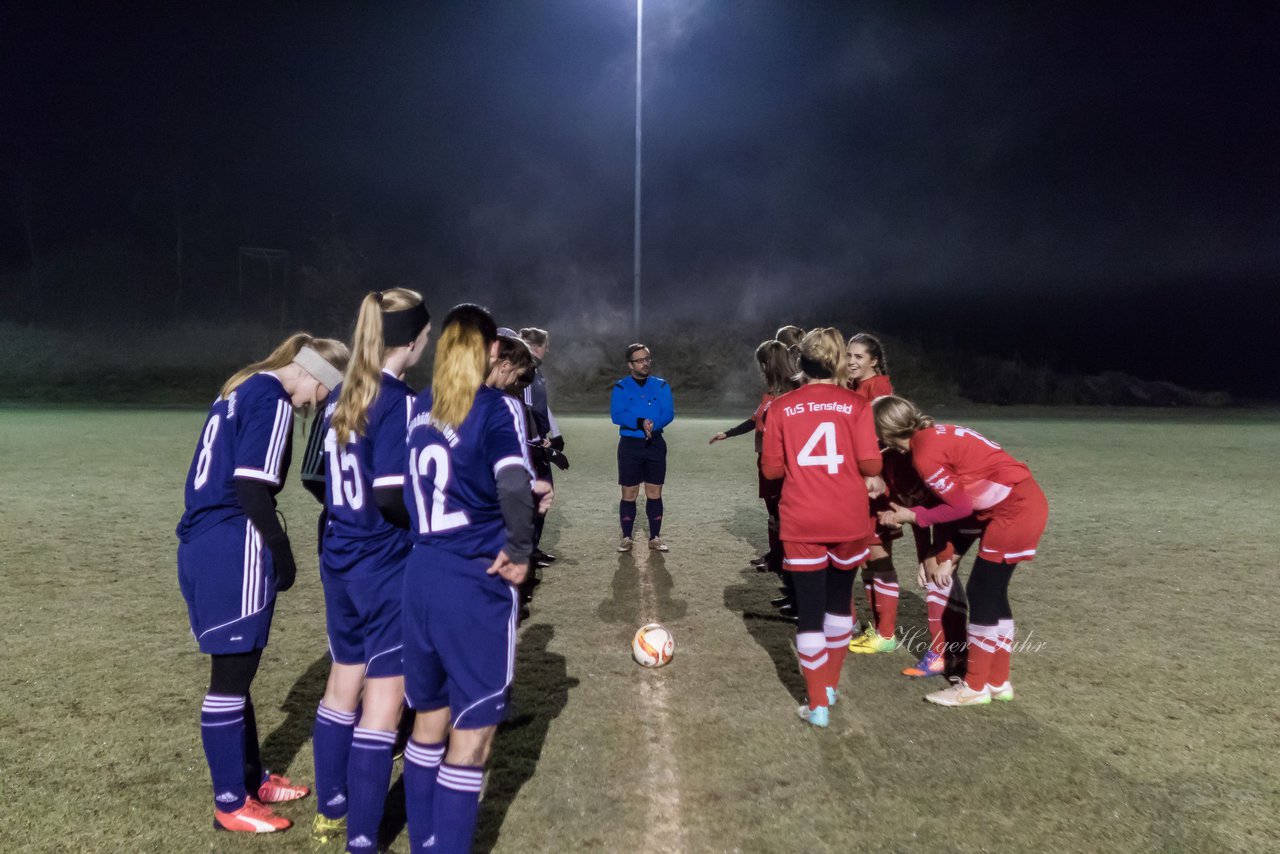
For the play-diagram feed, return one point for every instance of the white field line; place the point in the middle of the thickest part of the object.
(666, 830)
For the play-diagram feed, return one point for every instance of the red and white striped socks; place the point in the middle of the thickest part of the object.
(984, 644)
(935, 603)
(812, 649)
(838, 629)
(1000, 664)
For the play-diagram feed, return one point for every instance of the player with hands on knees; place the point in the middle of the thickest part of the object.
(973, 476)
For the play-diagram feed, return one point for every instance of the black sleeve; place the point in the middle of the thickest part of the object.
(745, 427)
(316, 488)
(390, 501)
(515, 495)
(256, 501)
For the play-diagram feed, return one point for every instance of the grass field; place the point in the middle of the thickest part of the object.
(1142, 720)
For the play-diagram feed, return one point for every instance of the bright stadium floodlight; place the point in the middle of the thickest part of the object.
(635, 288)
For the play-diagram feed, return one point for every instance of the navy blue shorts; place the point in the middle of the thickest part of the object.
(229, 582)
(362, 616)
(642, 460)
(459, 637)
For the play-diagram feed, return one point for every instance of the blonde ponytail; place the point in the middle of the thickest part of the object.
(462, 363)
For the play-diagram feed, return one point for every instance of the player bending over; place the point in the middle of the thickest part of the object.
(972, 475)
(234, 557)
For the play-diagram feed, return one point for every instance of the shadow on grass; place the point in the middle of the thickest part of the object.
(281, 747)
(775, 635)
(624, 600)
(539, 695)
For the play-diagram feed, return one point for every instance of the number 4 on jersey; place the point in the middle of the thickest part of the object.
(826, 434)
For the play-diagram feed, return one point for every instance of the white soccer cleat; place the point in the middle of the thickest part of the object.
(1003, 693)
(658, 545)
(960, 694)
(625, 545)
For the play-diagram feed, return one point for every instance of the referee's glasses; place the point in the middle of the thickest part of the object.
(647, 360)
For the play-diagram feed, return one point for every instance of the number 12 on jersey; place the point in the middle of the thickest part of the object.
(826, 434)
(433, 456)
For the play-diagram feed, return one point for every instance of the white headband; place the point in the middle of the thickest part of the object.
(319, 367)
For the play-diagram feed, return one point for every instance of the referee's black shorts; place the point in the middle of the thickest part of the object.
(641, 460)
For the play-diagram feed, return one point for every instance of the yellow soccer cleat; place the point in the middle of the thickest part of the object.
(325, 829)
(870, 642)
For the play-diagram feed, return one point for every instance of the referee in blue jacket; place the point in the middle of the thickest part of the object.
(641, 406)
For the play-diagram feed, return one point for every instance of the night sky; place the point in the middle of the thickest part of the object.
(1085, 183)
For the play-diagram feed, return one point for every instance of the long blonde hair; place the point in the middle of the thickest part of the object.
(333, 352)
(363, 378)
(462, 363)
(898, 418)
(825, 349)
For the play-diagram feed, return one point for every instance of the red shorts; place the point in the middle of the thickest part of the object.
(1015, 525)
(810, 557)
(881, 535)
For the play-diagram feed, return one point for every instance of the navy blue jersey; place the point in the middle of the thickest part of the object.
(249, 435)
(353, 469)
(451, 491)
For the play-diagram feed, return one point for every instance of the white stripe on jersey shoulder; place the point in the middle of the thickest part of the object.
(279, 432)
(284, 412)
(517, 418)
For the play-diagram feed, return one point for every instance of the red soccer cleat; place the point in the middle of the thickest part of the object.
(253, 817)
(277, 790)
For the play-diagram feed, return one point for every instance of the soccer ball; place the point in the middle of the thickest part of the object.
(653, 645)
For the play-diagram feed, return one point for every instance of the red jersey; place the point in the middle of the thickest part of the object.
(963, 468)
(877, 386)
(816, 435)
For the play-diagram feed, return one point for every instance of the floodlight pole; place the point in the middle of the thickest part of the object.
(635, 291)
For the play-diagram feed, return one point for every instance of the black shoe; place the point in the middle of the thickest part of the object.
(787, 611)
(780, 601)
(762, 567)
(544, 557)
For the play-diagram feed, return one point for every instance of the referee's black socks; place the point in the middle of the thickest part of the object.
(627, 517)
(653, 509)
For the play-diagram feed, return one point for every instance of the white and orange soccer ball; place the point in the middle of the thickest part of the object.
(653, 645)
